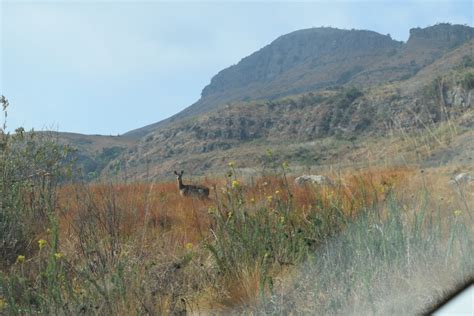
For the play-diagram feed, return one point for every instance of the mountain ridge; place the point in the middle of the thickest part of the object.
(310, 110)
(316, 127)
(288, 70)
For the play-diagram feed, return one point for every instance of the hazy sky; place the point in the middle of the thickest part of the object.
(106, 67)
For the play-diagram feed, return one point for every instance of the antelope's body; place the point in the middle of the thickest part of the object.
(191, 190)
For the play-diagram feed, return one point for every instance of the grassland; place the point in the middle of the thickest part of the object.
(381, 239)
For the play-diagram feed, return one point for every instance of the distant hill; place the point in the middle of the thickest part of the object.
(317, 96)
(319, 58)
(94, 152)
(329, 126)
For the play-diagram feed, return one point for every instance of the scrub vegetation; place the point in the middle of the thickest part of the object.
(385, 239)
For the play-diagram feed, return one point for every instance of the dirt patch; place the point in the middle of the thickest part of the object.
(460, 152)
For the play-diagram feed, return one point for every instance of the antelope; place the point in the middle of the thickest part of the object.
(191, 190)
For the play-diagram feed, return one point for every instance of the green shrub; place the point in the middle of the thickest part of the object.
(31, 168)
(467, 61)
(353, 93)
(468, 81)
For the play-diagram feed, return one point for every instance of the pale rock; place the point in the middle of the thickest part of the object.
(462, 178)
(313, 179)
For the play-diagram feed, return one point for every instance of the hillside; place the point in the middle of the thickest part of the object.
(319, 58)
(93, 152)
(336, 125)
(315, 97)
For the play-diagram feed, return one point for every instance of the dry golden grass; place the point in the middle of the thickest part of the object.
(155, 222)
(150, 208)
(157, 242)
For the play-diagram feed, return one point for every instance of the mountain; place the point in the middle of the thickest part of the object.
(319, 58)
(314, 97)
(93, 152)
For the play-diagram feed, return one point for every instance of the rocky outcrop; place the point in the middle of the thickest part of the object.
(440, 35)
(313, 179)
(459, 97)
(462, 179)
(315, 48)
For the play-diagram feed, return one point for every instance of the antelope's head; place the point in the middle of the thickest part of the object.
(179, 176)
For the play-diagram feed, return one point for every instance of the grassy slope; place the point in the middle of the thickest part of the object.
(92, 144)
(93, 152)
(207, 143)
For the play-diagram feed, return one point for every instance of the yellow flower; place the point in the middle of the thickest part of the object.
(41, 243)
(235, 184)
(269, 198)
(3, 303)
(282, 220)
(58, 255)
(457, 212)
(189, 246)
(20, 259)
(232, 164)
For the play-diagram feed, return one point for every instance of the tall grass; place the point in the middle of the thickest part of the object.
(267, 247)
(354, 248)
(376, 241)
(401, 263)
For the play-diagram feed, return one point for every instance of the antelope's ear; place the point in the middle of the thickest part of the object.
(182, 171)
(175, 173)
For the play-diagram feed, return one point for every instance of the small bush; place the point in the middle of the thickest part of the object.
(31, 167)
(468, 81)
(353, 93)
(467, 61)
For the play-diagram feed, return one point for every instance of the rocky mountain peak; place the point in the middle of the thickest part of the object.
(440, 35)
(322, 58)
(315, 46)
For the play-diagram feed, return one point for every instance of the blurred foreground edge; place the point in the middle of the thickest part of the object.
(458, 302)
